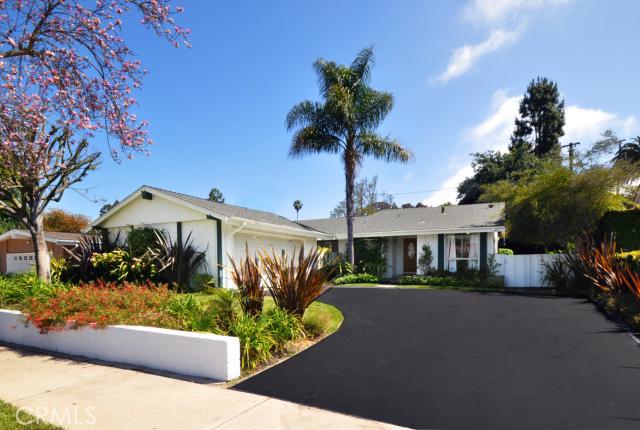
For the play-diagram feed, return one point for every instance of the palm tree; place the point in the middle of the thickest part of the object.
(630, 151)
(345, 123)
(297, 205)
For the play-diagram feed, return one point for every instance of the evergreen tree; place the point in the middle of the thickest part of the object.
(215, 195)
(541, 121)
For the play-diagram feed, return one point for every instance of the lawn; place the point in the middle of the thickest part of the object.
(8, 420)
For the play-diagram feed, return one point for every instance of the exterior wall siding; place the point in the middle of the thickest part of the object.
(24, 246)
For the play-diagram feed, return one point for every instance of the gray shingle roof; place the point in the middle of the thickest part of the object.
(233, 211)
(484, 215)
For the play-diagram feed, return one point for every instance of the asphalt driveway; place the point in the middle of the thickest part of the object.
(459, 360)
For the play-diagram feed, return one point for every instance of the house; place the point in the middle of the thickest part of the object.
(219, 229)
(16, 248)
(458, 235)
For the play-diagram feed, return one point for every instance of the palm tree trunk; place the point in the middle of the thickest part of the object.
(40, 249)
(349, 171)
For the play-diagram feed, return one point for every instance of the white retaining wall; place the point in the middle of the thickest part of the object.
(523, 271)
(193, 354)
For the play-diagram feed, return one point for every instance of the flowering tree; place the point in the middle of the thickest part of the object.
(65, 72)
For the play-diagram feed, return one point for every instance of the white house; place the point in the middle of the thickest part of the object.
(457, 235)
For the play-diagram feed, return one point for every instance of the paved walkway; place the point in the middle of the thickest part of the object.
(84, 395)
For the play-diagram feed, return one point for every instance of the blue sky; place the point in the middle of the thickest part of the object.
(456, 69)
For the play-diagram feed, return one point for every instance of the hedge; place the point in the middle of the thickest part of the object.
(624, 224)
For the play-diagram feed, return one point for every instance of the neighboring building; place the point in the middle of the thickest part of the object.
(458, 235)
(16, 248)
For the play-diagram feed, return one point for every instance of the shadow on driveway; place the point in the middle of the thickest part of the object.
(459, 360)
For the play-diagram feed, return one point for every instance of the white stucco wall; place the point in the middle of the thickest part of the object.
(193, 354)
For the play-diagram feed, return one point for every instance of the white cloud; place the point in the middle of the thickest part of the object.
(495, 130)
(586, 125)
(498, 11)
(463, 58)
(447, 191)
(506, 19)
(582, 125)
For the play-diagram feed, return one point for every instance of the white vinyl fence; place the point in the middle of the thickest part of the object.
(524, 271)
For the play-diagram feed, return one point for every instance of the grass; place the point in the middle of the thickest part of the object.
(8, 420)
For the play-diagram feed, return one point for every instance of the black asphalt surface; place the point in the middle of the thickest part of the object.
(459, 360)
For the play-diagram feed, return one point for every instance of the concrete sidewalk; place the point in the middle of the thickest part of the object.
(83, 395)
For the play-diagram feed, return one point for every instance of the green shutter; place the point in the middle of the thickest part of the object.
(483, 251)
(441, 252)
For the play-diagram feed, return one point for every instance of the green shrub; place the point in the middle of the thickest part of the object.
(256, 342)
(193, 314)
(558, 274)
(426, 259)
(505, 251)
(357, 278)
(463, 280)
(632, 258)
(140, 240)
(120, 266)
(370, 255)
(625, 225)
(283, 326)
(316, 325)
(18, 289)
(223, 303)
(202, 282)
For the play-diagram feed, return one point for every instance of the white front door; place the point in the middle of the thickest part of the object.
(18, 263)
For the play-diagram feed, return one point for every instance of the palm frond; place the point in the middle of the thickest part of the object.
(313, 140)
(363, 64)
(384, 148)
(303, 114)
(372, 107)
(329, 74)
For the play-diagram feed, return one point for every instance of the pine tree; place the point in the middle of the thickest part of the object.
(541, 121)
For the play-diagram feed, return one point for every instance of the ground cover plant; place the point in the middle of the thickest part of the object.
(356, 278)
(458, 280)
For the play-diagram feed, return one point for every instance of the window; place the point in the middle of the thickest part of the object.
(463, 252)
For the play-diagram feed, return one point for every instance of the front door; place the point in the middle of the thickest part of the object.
(410, 255)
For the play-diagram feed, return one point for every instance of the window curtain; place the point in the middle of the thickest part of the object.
(451, 255)
(474, 251)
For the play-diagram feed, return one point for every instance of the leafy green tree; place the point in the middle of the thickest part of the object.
(630, 152)
(297, 205)
(8, 223)
(493, 166)
(541, 122)
(345, 123)
(554, 206)
(366, 199)
(108, 206)
(215, 195)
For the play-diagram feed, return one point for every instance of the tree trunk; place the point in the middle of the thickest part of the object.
(349, 171)
(40, 249)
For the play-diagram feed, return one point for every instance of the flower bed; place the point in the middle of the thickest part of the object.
(53, 308)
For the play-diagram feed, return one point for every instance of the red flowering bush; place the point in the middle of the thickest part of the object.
(102, 304)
